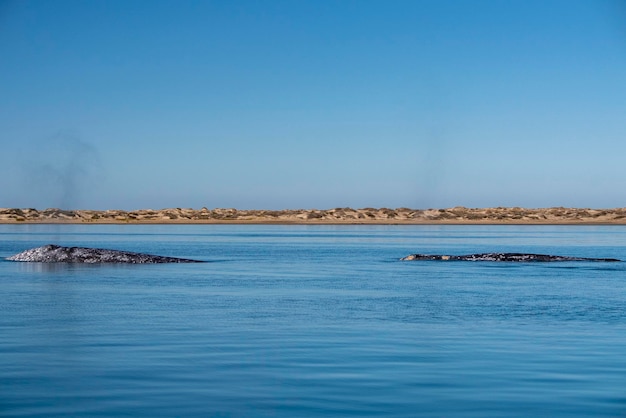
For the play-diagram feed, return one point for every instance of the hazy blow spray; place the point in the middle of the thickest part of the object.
(62, 170)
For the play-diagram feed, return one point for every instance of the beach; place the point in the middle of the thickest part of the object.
(382, 216)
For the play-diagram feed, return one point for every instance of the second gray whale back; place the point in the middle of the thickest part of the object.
(58, 254)
(519, 257)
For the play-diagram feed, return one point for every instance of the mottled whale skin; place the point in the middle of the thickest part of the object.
(518, 257)
(58, 254)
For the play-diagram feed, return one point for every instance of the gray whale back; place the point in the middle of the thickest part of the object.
(501, 257)
(58, 254)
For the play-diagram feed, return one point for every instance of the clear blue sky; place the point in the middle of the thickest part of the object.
(312, 104)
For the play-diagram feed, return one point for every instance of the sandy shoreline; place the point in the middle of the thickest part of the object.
(341, 216)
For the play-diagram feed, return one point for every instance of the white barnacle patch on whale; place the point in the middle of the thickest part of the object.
(58, 254)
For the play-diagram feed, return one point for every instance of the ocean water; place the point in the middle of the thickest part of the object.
(306, 321)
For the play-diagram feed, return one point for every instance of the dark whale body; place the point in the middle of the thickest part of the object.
(520, 257)
(57, 254)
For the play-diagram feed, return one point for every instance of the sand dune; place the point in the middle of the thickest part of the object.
(456, 215)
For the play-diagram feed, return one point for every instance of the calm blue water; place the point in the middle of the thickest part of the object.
(307, 321)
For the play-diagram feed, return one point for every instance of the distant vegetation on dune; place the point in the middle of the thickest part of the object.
(328, 216)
